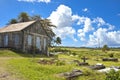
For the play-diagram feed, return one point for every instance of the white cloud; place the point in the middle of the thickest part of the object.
(118, 14)
(81, 34)
(102, 36)
(45, 1)
(96, 29)
(80, 19)
(85, 24)
(99, 21)
(85, 9)
(62, 18)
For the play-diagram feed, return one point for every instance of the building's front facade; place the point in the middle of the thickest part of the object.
(26, 36)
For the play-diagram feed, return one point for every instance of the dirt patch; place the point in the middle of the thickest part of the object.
(4, 73)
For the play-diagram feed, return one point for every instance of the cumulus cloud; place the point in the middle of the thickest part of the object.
(45, 1)
(99, 21)
(92, 31)
(90, 25)
(62, 18)
(86, 26)
(102, 36)
(85, 10)
(118, 14)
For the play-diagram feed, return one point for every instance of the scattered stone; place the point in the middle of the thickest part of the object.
(44, 61)
(83, 64)
(77, 61)
(117, 67)
(110, 59)
(106, 70)
(72, 74)
(98, 66)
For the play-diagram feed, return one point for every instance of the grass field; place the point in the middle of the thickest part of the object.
(19, 66)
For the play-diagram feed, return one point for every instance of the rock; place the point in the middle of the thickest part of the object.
(77, 61)
(117, 67)
(106, 70)
(72, 74)
(98, 66)
(83, 64)
(48, 62)
(110, 59)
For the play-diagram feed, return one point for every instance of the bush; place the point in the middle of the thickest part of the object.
(113, 75)
(111, 55)
(59, 50)
(105, 48)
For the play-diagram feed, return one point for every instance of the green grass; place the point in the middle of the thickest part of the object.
(30, 69)
(25, 67)
(8, 53)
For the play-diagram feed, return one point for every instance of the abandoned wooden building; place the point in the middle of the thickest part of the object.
(25, 36)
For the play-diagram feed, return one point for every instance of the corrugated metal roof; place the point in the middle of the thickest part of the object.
(16, 27)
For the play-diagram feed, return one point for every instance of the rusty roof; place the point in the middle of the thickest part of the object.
(16, 27)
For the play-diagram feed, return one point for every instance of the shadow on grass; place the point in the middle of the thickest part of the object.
(29, 55)
(8, 52)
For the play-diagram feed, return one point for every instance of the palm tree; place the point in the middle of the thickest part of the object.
(47, 25)
(13, 21)
(23, 17)
(36, 17)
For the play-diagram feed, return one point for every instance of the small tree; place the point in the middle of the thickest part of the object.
(23, 17)
(58, 41)
(105, 48)
(13, 21)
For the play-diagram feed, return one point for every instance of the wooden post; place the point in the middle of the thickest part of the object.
(84, 59)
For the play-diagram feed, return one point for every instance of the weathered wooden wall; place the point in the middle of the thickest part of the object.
(11, 37)
(35, 30)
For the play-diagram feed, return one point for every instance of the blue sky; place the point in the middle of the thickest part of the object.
(79, 23)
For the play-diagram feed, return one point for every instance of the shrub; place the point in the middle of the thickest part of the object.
(111, 55)
(59, 50)
(105, 48)
(113, 75)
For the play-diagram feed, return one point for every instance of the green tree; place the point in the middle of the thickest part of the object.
(36, 17)
(47, 25)
(13, 21)
(105, 48)
(58, 40)
(23, 17)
